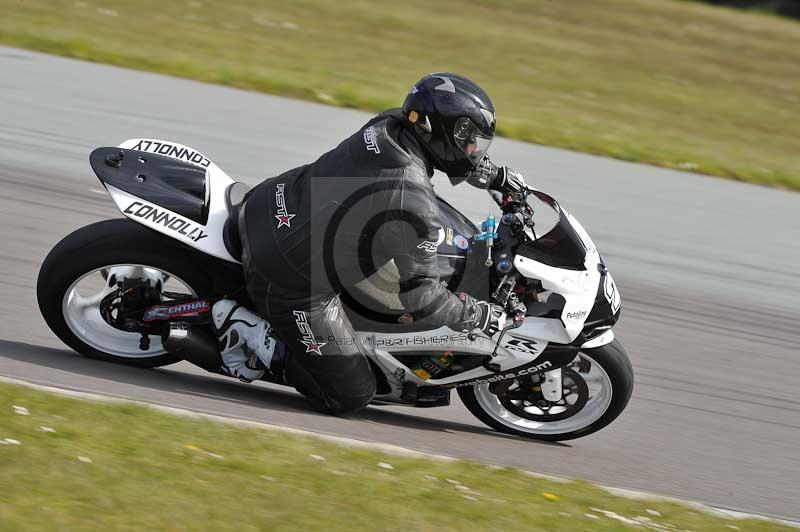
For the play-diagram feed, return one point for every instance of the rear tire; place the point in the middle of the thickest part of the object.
(613, 360)
(112, 242)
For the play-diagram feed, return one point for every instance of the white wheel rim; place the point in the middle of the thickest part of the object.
(81, 309)
(600, 394)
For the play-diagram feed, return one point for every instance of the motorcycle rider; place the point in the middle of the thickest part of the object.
(312, 231)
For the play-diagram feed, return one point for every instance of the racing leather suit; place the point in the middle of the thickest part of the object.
(312, 231)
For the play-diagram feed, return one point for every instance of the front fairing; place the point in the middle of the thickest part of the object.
(579, 299)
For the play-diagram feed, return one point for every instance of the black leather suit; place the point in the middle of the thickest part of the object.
(313, 231)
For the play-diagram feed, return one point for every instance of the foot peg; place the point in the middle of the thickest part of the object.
(424, 396)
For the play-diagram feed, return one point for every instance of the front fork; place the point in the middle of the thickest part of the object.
(552, 387)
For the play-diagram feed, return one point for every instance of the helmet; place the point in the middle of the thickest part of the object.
(453, 118)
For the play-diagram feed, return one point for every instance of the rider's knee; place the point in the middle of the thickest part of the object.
(343, 403)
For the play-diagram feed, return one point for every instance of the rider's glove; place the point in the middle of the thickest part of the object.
(508, 181)
(484, 175)
(482, 315)
(502, 179)
(492, 318)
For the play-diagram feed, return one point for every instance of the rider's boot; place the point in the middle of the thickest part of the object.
(246, 346)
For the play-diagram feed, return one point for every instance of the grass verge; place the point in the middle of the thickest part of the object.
(670, 83)
(69, 464)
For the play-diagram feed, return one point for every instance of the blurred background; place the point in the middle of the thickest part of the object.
(678, 84)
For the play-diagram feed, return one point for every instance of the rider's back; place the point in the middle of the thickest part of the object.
(318, 225)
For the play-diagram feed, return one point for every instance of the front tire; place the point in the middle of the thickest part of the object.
(613, 368)
(97, 248)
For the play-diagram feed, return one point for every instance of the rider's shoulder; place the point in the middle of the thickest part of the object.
(376, 144)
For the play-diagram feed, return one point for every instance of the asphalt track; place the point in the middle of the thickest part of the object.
(706, 268)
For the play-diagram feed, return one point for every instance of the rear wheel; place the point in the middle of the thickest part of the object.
(81, 281)
(596, 388)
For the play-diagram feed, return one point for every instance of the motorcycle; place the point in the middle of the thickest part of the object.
(132, 290)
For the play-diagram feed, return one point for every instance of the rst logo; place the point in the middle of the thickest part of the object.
(307, 337)
(163, 148)
(172, 222)
(284, 217)
(369, 140)
(428, 246)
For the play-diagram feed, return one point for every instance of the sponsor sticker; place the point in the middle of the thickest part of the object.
(576, 315)
(525, 346)
(172, 222)
(176, 152)
(453, 339)
(461, 242)
(495, 378)
(449, 236)
(166, 312)
(399, 375)
(406, 318)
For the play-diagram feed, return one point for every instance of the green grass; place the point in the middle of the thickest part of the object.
(146, 470)
(671, 83)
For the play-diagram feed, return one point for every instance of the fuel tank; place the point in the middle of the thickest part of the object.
(373, 304)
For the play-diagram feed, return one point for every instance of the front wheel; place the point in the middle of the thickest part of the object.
(596, 386)
(87, 272)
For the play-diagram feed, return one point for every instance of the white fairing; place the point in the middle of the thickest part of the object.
(206, 238)
(579, 289)
(519, 347)
(446, 339)
(604, 339)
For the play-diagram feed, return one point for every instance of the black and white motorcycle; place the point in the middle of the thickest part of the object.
(122, 290)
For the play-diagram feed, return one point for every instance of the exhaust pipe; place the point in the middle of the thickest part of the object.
(193, 344)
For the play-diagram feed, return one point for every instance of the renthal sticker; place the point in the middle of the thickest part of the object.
(611, 293)
(428, 246)
(307, 335)
(172, 222)
(163, 148)
(495, 378)
(284, 217)
(165, 312)
(369, 140)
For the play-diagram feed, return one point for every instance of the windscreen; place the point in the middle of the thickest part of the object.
(556, 242)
